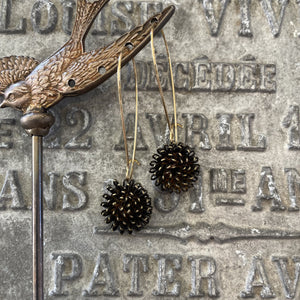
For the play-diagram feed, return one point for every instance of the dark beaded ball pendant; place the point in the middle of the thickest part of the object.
(127, 207)
(175, 168)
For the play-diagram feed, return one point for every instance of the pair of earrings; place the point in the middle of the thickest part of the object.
(174, 167)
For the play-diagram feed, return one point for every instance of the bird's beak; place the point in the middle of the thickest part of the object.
(3, 104)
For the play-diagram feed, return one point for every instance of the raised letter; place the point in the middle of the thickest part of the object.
(267, 184)
(257, 278)
(5, 17)
(80, 196)
(166, 275)
(270, 14)
(203, 270)
(245, 18)
(121, 17)
(6, 133)
(11, 190)
(196, 196)
(246, 121)
(213, 23)
(288, 285)
(141, 145)
(50, 191)
(196, 124)
(68, 15)
(36, 16)
(293, 179)
(138, 262)
(225, 132)
(60, 275)
(108, 281)
(292, 121)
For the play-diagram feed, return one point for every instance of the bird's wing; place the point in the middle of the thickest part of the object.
(93, 68)
(14, 69)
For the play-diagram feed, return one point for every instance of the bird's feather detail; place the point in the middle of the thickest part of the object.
(14, 69)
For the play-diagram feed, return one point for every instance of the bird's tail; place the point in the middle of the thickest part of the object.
(87, 11)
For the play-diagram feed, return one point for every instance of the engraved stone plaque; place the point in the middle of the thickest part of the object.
(236, 234)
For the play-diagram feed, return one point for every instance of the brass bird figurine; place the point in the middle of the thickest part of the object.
(28, 85)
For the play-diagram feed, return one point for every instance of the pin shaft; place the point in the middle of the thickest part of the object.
(37, 217)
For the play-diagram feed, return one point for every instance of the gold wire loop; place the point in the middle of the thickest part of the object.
(173, 129)
(129, 162)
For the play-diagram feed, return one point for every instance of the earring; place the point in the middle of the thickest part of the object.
(127, 206)
(175, 167)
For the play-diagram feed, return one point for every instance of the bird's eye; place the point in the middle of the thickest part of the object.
(11, 97)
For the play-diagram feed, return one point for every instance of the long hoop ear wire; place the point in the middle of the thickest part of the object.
(174, 167)
(173, 129)
(129, 162)
(128, 206)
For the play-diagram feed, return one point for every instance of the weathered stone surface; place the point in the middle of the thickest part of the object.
(236, 235)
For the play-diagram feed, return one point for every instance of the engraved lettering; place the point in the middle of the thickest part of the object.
(293, 180)
(68, 15)
(292, 121)
(289, 285)
(246, 121)
(167, 264)
(149, 9)
(60, 271)
(267, 190)
(196, 124)
(257, 278)
(202, 74)
(267, 82)
(37, 16)
(163, 68)
(225, 77)
(270, 14)
(225, 142)
(53, 139)
(6, 133)
(219, 181)
(50, 190)
(228, 181)
(102, 277)
(11, 191)
(238, 181)
(159, 129)
(5, 20)
(166, 202)
(75, 142)
(129, 123)
(196, 196)
(120, 10)
(138, 262)
(245, 18)
(214, 22)
(203, 271)
(247, 77)
(100, 24)
(80, 197)
(181, 76)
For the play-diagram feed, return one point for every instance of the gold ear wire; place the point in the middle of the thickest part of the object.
(173, 129)
(122, 110)
(136, 118)
(129, 162)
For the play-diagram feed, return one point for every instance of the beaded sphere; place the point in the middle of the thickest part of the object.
(175, 168)
(127, 207)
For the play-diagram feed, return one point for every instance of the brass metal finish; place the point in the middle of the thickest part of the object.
(72, 71)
